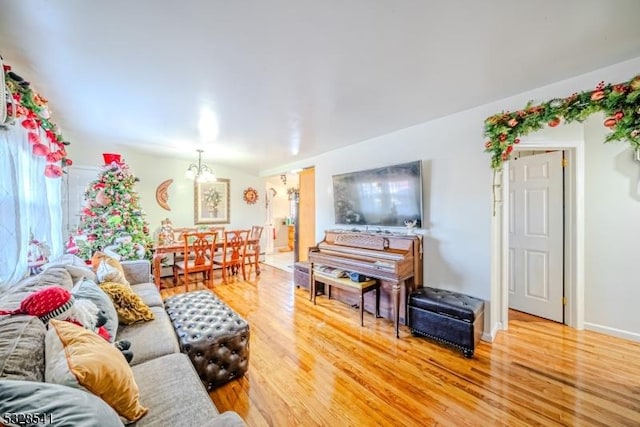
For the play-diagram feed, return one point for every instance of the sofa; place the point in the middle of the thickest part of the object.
(168, 386)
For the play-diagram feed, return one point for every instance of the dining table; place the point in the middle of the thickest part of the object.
(161, 250)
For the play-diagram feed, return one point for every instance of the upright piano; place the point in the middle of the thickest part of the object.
(394, 259)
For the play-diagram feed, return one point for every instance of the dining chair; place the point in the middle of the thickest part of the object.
(218, 230)
(199, 250)
(252, 253)
(231, 259)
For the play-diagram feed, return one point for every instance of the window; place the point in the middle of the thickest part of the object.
(30, 204)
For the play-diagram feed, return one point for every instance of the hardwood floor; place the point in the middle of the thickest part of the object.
(315, 366)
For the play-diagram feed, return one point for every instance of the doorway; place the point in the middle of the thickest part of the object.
(573, 236)
(281, 202)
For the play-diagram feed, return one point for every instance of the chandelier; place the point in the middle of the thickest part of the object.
(200, 172)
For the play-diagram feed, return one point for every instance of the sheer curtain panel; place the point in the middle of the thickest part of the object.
(30, 204)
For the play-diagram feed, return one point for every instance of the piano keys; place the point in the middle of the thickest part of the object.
(394, 259)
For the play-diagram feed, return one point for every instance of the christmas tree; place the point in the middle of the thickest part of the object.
(112, 220)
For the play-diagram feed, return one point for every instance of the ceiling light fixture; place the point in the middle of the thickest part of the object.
(200, 172)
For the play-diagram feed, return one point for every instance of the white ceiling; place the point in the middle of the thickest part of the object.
(288, 79)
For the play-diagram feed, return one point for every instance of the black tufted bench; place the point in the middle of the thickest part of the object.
(214, 337)
(448, 317)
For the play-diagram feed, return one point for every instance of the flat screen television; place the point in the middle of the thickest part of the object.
(384, 197)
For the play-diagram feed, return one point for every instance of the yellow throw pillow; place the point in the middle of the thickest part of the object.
(79, 358)
(128, 304)
(110, 270)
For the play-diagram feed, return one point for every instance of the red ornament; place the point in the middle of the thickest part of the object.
(610, 122)
(554, 122)
(618, 115)
(597, 95)
(620, 88)
(40, 149)
(33, 137)
(52, 171)
(29, 124)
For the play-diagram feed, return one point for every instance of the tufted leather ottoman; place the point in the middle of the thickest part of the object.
(448, 317)
(214, 337)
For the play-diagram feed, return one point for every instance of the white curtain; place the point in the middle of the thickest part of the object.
(30, 204)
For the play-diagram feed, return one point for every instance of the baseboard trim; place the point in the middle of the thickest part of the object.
(491, 336)
(628, 335)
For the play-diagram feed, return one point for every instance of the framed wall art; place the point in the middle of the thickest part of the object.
(211, 202)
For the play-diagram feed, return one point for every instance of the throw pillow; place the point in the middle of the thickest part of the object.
(79, 358)
(88, 289)
(55, 276)
(21, 348)
(128, 304)
(40, 403)
(74, 265)
(110, 270)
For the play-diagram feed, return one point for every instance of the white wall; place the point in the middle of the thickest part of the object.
(153, 170)
(612, 235)
(457, 200)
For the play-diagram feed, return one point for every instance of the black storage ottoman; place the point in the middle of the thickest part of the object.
(301, 274)
(447, 316)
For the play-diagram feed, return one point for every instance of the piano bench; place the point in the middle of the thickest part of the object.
(447, 317)
(349, 285)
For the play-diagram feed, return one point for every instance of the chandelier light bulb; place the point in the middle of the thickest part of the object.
(200, 173)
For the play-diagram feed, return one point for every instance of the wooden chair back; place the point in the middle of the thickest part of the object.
(255, 234)
(233, 253)
(199, 248)
(252, 251)
(235, 244)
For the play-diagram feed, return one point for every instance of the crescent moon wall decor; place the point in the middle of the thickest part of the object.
(162, 196)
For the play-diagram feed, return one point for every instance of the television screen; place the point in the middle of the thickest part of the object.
(386, 196)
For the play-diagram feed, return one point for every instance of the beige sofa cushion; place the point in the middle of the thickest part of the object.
(164, 380)
(149, 294)
(22, 348)
(152, 339)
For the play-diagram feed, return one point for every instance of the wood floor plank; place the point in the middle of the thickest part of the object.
(314, 365)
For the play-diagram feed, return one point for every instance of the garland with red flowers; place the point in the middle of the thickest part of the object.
(620, 102)
(30, 109)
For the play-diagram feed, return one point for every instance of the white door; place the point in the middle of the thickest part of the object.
(536, 235)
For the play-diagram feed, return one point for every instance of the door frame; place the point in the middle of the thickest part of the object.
(574, 234)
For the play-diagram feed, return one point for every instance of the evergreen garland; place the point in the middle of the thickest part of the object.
(31, 110)
(620, 102)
